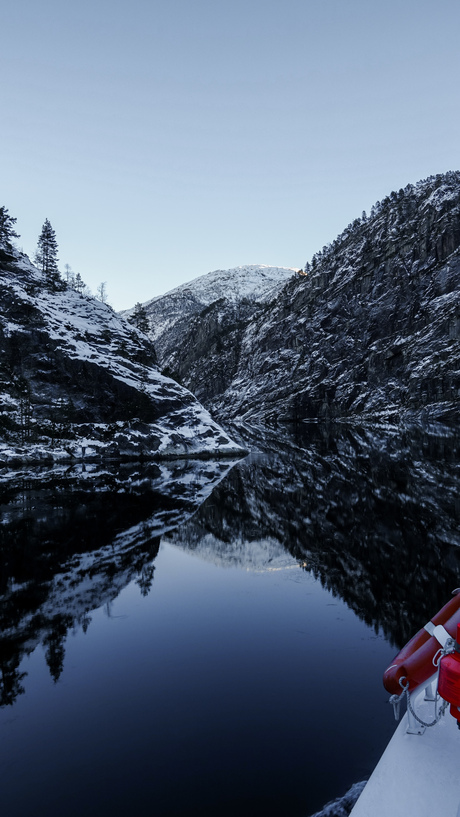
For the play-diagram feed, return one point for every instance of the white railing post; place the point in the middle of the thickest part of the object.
(430, 693)
(413, 726)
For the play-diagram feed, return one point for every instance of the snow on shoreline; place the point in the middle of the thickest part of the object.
(342, 806)
(126, 445)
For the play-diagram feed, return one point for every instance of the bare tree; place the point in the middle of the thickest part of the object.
(101, 292)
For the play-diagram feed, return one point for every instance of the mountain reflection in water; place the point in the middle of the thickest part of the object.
(372, 518)
(70, 542)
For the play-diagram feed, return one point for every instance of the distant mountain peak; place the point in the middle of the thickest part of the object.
(247, 281)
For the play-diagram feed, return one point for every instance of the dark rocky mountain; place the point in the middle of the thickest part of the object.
(370, 330)
(76, 380)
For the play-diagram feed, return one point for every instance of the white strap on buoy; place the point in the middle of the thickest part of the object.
(440, 633)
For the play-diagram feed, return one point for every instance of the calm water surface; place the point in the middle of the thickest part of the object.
(206, 640)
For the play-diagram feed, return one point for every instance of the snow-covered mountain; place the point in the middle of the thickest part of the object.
(76, 380)
(237, 293)
(370, 331)
(187, 318)
(253, 283)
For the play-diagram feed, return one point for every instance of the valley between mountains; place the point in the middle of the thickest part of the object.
(367, 332)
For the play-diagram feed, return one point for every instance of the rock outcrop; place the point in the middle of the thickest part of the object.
(77, 381)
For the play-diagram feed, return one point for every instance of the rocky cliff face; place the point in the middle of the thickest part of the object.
(201, 323)
(369, 331)
(77, 381)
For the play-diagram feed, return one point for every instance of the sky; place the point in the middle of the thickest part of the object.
(164, 139)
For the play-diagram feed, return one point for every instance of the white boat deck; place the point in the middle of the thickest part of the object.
(417, 775)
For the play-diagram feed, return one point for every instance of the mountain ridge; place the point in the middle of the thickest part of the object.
(370, 331)
(238, 287)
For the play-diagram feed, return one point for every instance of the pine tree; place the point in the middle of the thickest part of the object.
(79, 285)
(6, 229)
(46, 256)
(140, 319)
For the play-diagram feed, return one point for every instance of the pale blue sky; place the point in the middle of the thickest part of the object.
(167, 139)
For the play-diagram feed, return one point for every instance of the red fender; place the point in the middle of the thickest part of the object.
(415, 661)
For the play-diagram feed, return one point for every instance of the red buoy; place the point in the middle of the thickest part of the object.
(415, 661)
(449, 678)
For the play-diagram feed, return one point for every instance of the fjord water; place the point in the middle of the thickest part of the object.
(208, 639)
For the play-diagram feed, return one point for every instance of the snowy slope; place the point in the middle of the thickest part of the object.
(254, 282)
(78, 380)
(186, 322)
